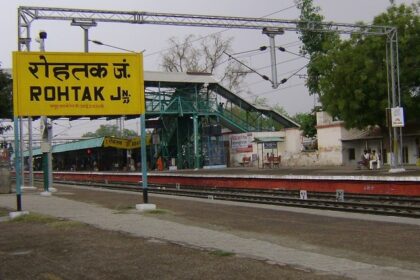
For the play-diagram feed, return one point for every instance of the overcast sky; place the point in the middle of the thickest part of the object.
(292, 96)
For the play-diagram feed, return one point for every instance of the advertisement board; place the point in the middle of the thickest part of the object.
(242, 143)
(77, 84)
(397, 117)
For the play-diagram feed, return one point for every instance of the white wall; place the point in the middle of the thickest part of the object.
(254, 151)
(293, 141)
(329, 145)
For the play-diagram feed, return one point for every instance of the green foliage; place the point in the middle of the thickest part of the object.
(253, 118)
(50, 221)
(5, 95)
(407, 20)
(307, 123)
(351, 75)
(158, 212)
(110, 130)
(6, 105)
(34, 218)
(221, 253)
(315, 43)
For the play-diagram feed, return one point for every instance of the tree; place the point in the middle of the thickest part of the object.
(6, 105)
(110, 130)
(280, 109)
(207, 57)
(315, 43)
(307, 123)
(352, 76)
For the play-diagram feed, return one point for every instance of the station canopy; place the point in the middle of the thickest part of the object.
(105, 142)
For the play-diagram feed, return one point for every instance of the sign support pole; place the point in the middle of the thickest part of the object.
(17, 165)
(143, 157)
(195, 128)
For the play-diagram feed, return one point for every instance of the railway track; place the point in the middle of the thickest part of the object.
(372, 204)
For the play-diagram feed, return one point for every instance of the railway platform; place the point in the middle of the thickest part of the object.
(322, 242)
(316, 179)
(410, 171)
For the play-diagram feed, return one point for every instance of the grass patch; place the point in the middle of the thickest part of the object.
(122, 209)
(50, 221)
(64, 224)
(34, 218)
(4, 213)
(157, 212)
(221, 253)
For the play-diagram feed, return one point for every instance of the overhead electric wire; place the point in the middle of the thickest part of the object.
(263, 48)
(284, 73)
(221, 31)
(300, 69)
(259, 53)
(252, 55)
(278, 89)
(282, 49)
(293, 44)
(278, 63)
(246, 66)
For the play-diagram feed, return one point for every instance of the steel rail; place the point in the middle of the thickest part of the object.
(410, 207)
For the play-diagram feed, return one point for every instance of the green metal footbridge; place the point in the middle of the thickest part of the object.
(191, 112)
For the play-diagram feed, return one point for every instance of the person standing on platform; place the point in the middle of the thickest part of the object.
(373, 160)
(159, 164)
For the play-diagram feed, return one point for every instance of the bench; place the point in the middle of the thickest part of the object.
(363, 163)
(272, 162)
(246, 161)
(276, 161)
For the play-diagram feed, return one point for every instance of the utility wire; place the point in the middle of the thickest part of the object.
(246, 66)
(221, 31)
(284, 73)
(260, 53)
(263, 48)
(279, 89)
(281, 62)
(282, 49)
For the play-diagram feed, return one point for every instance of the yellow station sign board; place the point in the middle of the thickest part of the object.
(128, 144)
(77, 84)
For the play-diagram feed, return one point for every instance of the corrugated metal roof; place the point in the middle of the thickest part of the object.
(269, 139)
(72, 146)
(35, 152)
(79, 145)
(153, 77)
(366, 134)
(236, 99)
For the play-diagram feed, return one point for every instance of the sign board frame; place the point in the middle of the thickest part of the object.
(78, 84)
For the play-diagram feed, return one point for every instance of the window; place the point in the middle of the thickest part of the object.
(384, 156)
(352, 154)
(405, 154)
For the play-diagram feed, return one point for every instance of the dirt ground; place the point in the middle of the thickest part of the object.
(39, 247)
(46, 248)
(380, 243)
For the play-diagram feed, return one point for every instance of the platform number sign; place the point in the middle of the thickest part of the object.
(303, 194)
(339, 195)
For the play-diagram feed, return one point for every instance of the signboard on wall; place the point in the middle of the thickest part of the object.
(127, 144)
(270, 145)
(77, 84)
(242, 143)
